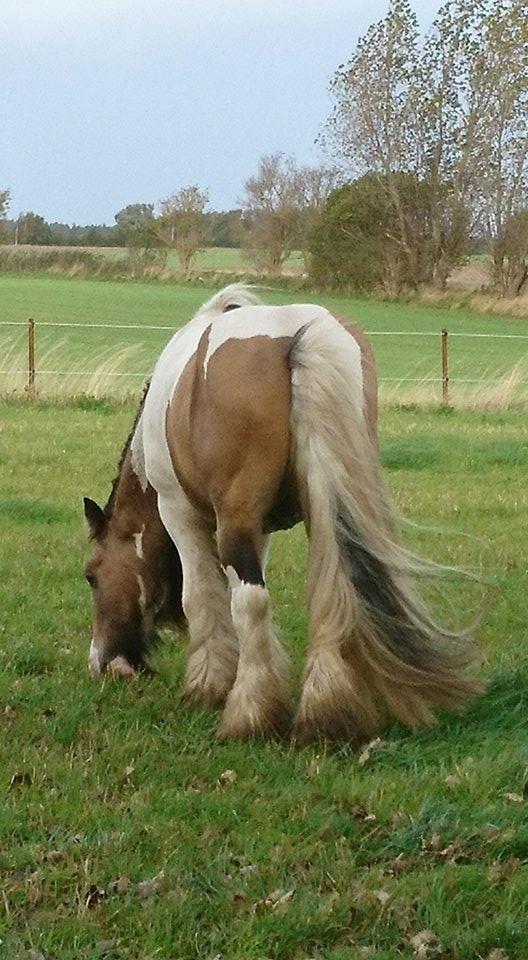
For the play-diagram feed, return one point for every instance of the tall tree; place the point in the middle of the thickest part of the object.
(504, 180)
(450, 110)
(183, 224)
(271, 211)
(374, 125)
(4, 207)
(315, 184)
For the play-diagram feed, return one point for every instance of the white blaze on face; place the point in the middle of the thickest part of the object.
(138, 540)
(94, 664)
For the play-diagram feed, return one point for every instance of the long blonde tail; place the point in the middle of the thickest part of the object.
(374, 645)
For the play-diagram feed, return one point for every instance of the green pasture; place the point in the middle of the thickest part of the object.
(145, 306)
(212, 258)
(230, 258)
(128, 833)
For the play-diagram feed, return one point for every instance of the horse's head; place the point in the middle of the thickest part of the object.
(134, 576)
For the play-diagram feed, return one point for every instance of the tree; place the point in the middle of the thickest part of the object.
(442, 110)
(4, 206)
(373, 127)
(281, 205)
(511, 249)
(356, 243)
(183, 223)
(31, 228)
(226, 228)
(135, 225)
(504, 180)
(473, 69)
(92, 235)
(315, 185)
(136, 230)
(271, 210)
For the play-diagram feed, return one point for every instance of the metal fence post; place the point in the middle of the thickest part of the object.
(31, 357)
(445, 368)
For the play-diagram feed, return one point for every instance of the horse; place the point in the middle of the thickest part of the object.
(256, 418)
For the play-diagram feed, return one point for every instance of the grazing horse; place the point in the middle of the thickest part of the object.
(257, 417)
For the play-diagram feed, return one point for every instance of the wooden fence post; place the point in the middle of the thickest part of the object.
(445, 368)
(31, 357)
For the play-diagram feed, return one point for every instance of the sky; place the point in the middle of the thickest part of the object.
(110, 102)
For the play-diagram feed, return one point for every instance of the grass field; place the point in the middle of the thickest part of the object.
(210, 259)
(82, 350)
(123, 836)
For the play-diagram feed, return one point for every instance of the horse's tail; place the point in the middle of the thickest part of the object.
(368, 626)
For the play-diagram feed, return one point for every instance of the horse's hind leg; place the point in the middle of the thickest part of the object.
(258, 703)
(213, 646)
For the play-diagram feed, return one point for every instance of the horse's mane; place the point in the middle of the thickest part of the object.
(109, 508)
(229, 298)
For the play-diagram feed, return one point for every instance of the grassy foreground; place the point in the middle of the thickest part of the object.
(127, 831)
(97, 360)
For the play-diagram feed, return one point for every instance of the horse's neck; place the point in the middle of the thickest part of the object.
(135, 503)
(137, 510)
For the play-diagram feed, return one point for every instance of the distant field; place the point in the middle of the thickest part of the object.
(213, 258)
(80, 350)
(296, 854)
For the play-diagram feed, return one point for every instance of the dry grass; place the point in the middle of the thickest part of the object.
(509, 392)
(481, 301)
(105, 374)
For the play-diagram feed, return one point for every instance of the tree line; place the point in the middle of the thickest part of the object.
(281, 204)
(427, 162)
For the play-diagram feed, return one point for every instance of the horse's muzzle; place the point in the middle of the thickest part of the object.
(117, 667)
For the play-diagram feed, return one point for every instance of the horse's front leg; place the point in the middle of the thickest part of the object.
(213, 646)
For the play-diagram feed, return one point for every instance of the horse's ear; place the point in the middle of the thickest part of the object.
(95, 518)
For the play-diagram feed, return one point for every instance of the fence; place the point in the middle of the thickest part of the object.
(444, 339)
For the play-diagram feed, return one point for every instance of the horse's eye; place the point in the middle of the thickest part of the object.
(91, 579)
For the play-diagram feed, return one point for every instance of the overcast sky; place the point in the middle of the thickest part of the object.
(109, 102)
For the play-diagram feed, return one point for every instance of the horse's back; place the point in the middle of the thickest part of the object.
(227, 428)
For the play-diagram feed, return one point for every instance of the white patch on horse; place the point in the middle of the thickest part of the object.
(261, 683)
(94, 665)
(232, 577)
(142, 591)
(138, 540)
(260, 321)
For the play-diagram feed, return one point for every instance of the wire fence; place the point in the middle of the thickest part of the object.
(32, 372)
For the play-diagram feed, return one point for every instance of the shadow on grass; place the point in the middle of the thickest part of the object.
(500, 710)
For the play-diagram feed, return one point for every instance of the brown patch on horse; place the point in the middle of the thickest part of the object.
(242, 404)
